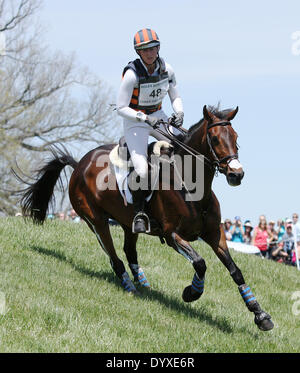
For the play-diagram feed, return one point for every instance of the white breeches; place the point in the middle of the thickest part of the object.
(137, 135)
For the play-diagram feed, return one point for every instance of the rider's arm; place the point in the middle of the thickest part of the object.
(125, 93)
(175, 98)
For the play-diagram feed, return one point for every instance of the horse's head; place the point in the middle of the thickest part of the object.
(222, 146)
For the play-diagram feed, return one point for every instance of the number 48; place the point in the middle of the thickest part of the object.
(155, 93)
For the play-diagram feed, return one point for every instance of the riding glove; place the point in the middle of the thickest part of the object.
(176, 120)
(154, 122)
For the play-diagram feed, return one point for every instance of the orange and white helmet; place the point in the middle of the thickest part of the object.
(146, 38)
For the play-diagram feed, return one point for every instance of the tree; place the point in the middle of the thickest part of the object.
(45, 97)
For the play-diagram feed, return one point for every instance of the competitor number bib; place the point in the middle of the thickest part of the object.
(153, 93)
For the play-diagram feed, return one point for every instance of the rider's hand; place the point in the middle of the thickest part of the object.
(153, 121)
(176, 120)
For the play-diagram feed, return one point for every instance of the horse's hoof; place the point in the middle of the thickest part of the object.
(263, 321)
(188, 295)
(135, 293)
(127, 283)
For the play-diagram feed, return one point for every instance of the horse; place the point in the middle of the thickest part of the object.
(177, 221)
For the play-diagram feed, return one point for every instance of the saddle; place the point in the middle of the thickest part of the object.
(122, 165)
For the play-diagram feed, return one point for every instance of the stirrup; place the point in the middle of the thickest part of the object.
(148, 229)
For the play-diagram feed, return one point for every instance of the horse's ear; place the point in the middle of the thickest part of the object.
(232, 114)
(207, 114)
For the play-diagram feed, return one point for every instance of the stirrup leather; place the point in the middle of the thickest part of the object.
(148, 229)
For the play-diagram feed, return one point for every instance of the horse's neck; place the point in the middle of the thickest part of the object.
(198, 142)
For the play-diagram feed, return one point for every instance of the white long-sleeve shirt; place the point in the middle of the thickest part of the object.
(130, 82)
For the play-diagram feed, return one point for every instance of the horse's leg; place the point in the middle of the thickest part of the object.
(217, 240)
(130, 240)
(195, 290)
(100, 227)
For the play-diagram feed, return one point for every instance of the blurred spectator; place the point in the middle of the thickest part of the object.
(273, 239)
(74, 217)
(280, 229)
(271, 226)
(278, 254)
(61, 216)
(272, 230)
(260, 236)
(296, 232)
(287, 242)
(296, 226)
(247, 232)
(262, 218)
(227, 226)
(288, 221)
(237, 231)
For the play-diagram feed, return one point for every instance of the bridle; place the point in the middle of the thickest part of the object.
(217, 162)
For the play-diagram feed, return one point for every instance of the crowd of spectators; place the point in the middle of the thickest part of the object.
(277, 242)
(70, 216)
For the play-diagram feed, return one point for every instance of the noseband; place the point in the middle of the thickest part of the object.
(217, 162)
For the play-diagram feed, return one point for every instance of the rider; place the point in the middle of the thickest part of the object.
(145, 83)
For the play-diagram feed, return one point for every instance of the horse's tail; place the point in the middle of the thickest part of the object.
(39, 194)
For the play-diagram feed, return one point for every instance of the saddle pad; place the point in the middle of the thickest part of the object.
(121, 173)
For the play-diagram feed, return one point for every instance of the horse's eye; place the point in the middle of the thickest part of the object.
(215, 140)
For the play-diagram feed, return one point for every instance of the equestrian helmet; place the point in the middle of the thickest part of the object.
(146, 38)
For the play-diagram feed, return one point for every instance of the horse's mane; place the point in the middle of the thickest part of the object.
(215, 110)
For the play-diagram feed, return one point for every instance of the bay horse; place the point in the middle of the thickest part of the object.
(178, 221)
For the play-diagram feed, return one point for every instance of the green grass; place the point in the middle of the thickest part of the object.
(62, 296)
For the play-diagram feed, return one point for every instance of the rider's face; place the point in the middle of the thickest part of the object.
(149, 55)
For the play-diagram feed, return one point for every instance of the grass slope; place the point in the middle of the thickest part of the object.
(62, 296)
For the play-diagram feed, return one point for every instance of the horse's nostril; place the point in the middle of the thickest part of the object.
(234, 179)
(239, 175)
(232, 175)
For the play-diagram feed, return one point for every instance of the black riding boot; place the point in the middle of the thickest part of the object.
(141, 223)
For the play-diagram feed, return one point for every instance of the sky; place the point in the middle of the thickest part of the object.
(238, 53)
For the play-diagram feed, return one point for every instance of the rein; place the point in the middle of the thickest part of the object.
(216, 164)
